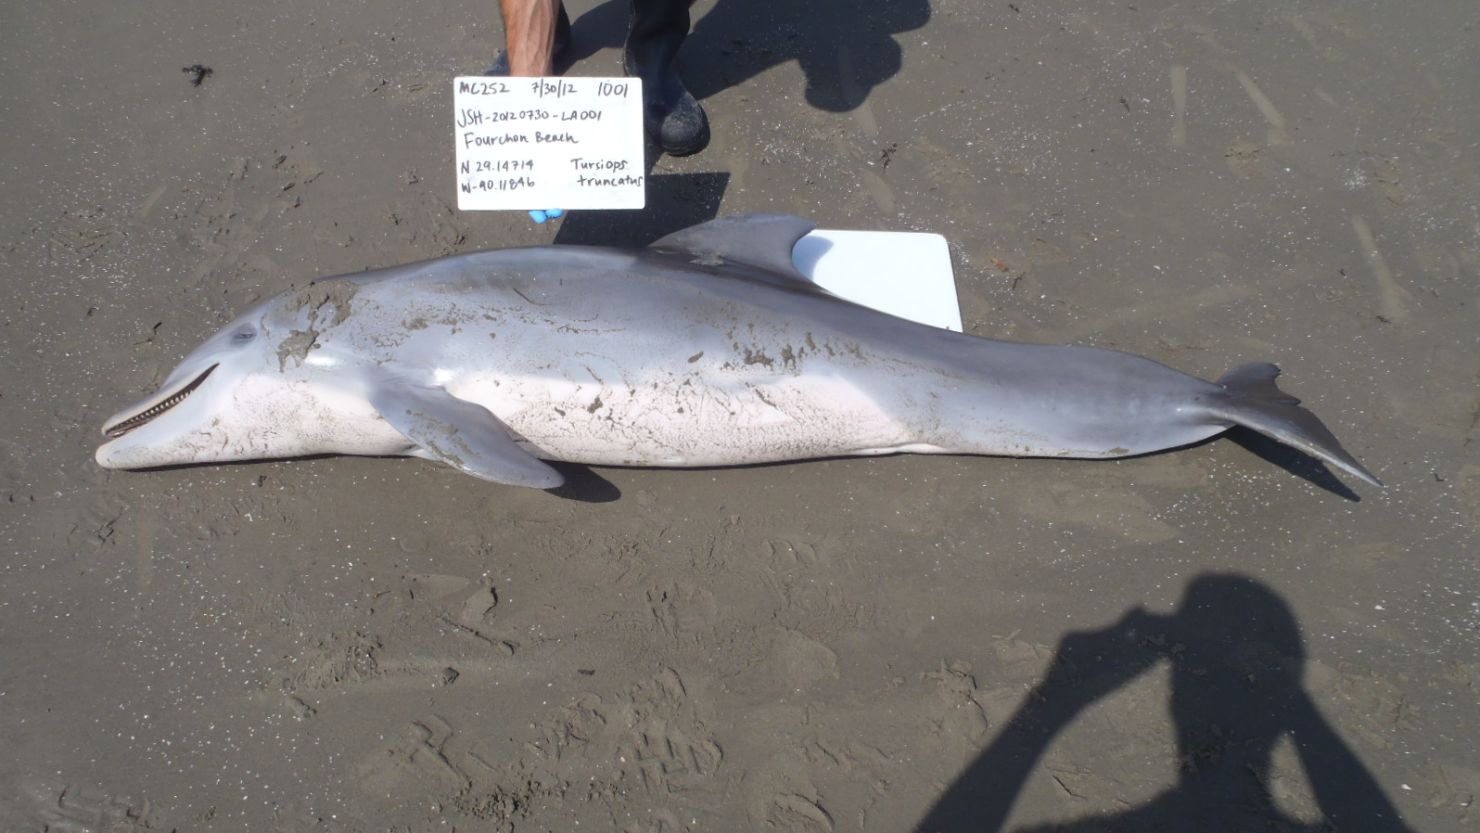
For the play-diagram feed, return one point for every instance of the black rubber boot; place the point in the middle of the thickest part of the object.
(673, 118)
(562, 37)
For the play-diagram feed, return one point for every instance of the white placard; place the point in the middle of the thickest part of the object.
(902, 273)
(541, 143)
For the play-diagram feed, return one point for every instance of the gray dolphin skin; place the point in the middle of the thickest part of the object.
(707, 348)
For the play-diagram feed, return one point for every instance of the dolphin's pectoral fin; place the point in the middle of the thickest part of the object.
(461, 434)
(762, 241)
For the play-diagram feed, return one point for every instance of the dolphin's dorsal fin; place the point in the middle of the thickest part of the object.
(460, 433)
(762, 241)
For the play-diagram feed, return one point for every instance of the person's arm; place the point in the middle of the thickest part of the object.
(529, 28)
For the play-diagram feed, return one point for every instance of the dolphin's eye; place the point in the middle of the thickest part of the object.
(243, 335)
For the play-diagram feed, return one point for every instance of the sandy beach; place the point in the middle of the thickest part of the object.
(1229, 637)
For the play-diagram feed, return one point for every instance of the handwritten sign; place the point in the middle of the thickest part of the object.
(548, 143)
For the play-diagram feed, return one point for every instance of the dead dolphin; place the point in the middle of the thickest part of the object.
(707, 348)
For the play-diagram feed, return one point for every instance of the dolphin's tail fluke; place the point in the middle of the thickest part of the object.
(1254, 401)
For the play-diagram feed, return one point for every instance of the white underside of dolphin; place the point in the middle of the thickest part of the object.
(705, 349)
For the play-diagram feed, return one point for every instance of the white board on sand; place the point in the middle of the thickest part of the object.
(902, 273)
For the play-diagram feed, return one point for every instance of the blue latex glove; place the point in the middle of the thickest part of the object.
(548, 214)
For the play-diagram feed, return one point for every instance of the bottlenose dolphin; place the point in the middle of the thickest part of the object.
(707, 348)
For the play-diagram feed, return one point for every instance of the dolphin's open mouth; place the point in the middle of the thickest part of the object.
(118, 429)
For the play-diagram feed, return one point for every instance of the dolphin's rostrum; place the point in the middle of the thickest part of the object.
(707, 348)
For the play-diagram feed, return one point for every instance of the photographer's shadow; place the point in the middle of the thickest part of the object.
(1236, 661)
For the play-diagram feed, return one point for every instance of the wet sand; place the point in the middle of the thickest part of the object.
(1222, 638)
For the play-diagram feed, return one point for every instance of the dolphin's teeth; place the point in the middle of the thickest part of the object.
(135, 421)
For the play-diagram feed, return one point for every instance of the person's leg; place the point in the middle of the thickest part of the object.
(656, 31)
(536, 32)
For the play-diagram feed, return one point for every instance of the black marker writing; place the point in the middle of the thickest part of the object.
(473, 140)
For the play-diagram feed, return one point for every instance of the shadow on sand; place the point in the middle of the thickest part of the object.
(674, 201)
(845, 47)
(1237, 659)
